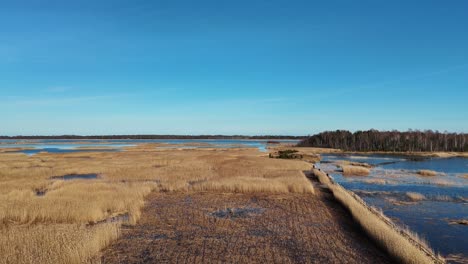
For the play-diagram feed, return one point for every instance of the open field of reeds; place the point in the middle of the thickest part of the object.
(44, 218)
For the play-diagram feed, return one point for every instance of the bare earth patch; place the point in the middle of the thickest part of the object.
(243, 228)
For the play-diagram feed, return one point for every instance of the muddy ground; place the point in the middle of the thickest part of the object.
(243, 228)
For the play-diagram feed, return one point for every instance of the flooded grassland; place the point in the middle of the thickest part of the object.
(429, 194)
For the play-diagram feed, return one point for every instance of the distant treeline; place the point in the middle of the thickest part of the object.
(374, 140)
(155, 137)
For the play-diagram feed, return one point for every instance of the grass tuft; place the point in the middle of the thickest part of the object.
(414, 196)
(429, 173)
(350, 170)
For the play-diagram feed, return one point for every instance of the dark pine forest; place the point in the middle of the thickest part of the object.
(374, 140)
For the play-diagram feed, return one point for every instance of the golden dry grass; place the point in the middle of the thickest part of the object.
(74, 202)
(57, 243)
(385, 235)
(457, 258)
(443, 182)
(125, 178)
(375, 181)
(429, 173)
(311, 150)
(350, 170)
(446, 154)
(414, 196)
(352, 163)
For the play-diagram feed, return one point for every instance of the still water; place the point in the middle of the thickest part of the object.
(444, 197)
(66, 146)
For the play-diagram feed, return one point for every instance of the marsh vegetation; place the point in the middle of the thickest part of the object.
(404, 245)
(49, 213)
(350, 170)
(427, 173)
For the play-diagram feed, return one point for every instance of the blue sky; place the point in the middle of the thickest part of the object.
(232, 67)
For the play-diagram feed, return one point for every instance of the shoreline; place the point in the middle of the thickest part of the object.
(397, 241)
(435, 154)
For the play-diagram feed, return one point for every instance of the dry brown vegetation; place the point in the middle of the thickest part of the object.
(458, 221)
(57, 243)
(443, 182)
(6, 150)
(274, 228)
(350, 170)
(352, 163)
(457, 258)
(429, 173)
(400, 243)
(294, 153)
(309, 150)
(376, 181)
(64, 223)
(414, 196)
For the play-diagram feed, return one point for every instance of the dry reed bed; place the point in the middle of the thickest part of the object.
(125, 179)
(377, 181)
(414, 196)
(55, 243)
(429, 173)
(353, 163)
(398, 242)
(350, 170)
(74, 202)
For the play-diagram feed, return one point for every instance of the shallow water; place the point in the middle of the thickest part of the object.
(445, 196)
(238, 212)
(66, 146)
(61, 150)
(68, 177)
(373, 159)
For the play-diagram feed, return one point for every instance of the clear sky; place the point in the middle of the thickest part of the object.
(232, 67)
